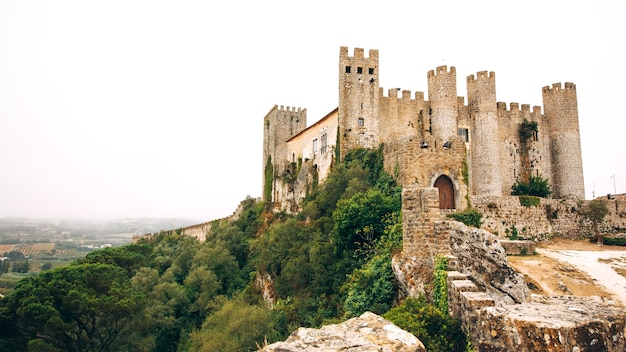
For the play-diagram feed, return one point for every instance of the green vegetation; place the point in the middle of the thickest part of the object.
(536, 186)
(529, 201)
(469, 216)
(440, 284)
(595, 211)
(527, 129)
(269, 179)
(172, 293)
(613, 241)
(437, 330)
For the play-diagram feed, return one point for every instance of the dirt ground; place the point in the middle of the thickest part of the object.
(569, 267)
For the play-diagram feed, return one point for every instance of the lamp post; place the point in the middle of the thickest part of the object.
(615, 194)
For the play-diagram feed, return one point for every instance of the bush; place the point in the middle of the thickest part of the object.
(470, 217)
(619, 241)
(536, 186)
(436, 329)
(529, 201)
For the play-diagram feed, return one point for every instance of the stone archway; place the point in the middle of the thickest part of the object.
(446, 192)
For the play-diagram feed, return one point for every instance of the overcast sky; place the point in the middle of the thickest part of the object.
(155, 108)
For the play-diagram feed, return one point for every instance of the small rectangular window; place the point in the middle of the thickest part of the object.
(315, 146)
(370, 71)
(359, 70)
(361, 122)
(324, 139)
(348, 69)
(536, 136)
(464, 133)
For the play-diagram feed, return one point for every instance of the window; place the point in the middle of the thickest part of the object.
(370, 71)
(359, 70)
(536, 136)
(464, 133)
(315, 146)
(361, 122)
(324, 139)
(348, 69)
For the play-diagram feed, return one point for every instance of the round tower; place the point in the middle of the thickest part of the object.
(358, 100)
(443, 103)
(484, 139)
(561, 112)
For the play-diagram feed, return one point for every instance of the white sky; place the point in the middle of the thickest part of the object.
(155, 108)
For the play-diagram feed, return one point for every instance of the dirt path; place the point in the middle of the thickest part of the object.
(567, 267)
(599, 265)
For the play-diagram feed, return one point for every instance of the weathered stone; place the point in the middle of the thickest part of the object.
(369, 332)
(567, 323)
(481, 255)
(518, 247)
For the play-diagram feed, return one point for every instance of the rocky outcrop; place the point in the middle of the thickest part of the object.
(479, 254)
(566, 323)
(369, 332)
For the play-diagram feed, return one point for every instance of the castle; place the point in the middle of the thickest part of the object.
(478, 148)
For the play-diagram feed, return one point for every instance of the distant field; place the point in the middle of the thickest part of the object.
(6, 248)
(28, 249)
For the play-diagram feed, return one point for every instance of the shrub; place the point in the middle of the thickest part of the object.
(436, 329)
(529, 201)
(527, 128)
(536, 186)
(470, 217)
(619, 241)
(440, 283)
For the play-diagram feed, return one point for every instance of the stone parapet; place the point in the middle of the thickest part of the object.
(517, 247)
(559, 324)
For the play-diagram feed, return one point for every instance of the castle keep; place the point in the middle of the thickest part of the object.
(462, 149)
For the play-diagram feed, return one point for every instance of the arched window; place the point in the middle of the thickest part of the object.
(446, 192)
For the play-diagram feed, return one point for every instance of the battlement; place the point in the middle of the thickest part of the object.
(359, 53)
(406, 94)
(482, 75)
(516, 107)
(557, 87)
(289, 109)
(441, 70)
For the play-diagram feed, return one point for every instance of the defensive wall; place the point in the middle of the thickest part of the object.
(496, 153)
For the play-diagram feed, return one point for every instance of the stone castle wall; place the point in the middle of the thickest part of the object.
(495, 154)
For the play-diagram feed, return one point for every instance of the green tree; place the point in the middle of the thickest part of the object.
(87, 307)
(372, 286)
(235, 326)
(359, 220)
(595, 211)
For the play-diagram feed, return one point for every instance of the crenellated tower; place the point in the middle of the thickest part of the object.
(484, 140)
(358, 100)
(279, 125)
(443, 112)
(561, 111)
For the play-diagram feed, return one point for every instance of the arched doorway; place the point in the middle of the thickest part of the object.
(446, 192)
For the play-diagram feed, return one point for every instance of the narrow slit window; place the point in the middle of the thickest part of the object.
(536, 136)
(348, 69)
(370, 71)
(359, 70)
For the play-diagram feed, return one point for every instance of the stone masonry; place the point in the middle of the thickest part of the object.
(477, 145)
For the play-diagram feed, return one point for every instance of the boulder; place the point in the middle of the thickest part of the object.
(369, 332)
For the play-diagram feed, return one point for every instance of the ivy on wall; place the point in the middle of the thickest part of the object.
(269, 179)
(527, 128)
